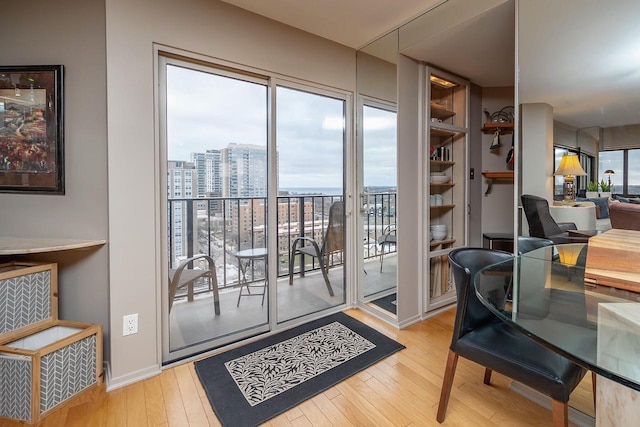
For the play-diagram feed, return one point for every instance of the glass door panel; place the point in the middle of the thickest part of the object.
(310, 144)
(378, 201)
(215, 160)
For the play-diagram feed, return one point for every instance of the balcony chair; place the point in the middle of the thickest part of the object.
(479, 336)
(542, 224)
(333, 242)
(185, 275)
(387, 239)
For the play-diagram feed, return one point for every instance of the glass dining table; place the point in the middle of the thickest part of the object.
(543, 294)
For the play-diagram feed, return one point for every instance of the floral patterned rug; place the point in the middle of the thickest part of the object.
(253, 383)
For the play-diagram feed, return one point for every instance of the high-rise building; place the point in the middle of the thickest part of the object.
(208, 166)
(181, 177)
(244, 170)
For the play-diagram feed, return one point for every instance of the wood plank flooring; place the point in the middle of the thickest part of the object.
(402, 390)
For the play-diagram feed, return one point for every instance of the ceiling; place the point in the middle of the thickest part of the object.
(581, 58)
(481, 49)
(352, 23)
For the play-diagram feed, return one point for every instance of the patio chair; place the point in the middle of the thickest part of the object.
(387, 239)
(185, 275)
(333, 242)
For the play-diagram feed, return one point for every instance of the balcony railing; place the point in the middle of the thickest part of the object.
(222, 226)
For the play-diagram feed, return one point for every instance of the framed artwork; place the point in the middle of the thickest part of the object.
(32, 129)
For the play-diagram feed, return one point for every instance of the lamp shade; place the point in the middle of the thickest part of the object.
(570, 165)
(568, 254)
(609, 172)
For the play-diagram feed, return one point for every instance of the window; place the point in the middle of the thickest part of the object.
(625, 165)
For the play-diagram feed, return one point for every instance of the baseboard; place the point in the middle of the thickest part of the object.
(578, 418)
(410, 321)
(133, 377)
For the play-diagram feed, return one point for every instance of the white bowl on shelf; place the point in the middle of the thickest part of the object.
(437, 173)
(438, 179)
(439, 235)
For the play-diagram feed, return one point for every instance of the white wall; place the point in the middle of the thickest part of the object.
(536, 173)
(569, 136)
(497, 217)
(621, 137)
(207, 27)
(72, 33)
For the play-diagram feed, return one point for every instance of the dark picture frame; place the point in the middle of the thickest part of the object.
(32, 129)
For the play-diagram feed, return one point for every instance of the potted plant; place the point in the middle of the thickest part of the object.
(605, 189)
(592, 190)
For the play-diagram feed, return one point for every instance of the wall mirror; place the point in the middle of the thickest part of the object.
(580, 61)
(577, 88)
(377, 172)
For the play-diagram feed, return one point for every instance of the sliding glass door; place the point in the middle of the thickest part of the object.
(216, 206)
(234, 144)
(310, 140)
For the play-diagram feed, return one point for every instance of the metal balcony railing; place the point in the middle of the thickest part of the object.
(222, 226)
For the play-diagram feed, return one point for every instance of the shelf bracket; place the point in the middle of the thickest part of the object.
(489, 184)
(492, 176)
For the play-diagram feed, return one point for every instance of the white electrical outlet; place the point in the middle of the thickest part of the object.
(130, 324)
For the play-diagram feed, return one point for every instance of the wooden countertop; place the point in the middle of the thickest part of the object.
(26, 245)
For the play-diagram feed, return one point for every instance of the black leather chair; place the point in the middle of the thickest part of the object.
(478, 335)
(528, 243)
(542, 224)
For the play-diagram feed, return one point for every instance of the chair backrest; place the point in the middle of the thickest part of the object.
(541, 223)
(334, 234)
(470, 313)
(529, 243)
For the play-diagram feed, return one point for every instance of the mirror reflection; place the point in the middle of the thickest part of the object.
(577, 83)
(577, 90)
(377, 172)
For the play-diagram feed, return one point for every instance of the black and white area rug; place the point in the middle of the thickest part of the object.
(388, 303)
(253, 383)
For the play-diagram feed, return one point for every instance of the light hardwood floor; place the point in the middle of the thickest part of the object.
(401, 390)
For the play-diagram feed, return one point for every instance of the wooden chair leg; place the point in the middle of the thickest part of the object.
(447, 383)
(487, 376)
(593, 388)
(560, 413)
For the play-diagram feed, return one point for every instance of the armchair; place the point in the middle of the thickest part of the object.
(479, 336)
(542, 224)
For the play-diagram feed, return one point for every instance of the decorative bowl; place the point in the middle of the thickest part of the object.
(439, 235)
(438, 179)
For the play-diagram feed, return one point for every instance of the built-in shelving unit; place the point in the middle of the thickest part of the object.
(446, 122)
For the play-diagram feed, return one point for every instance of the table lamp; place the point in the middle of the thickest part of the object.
(570, 168)
(609, 172)
(568, 256)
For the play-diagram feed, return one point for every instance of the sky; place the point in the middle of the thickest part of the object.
(208, 111)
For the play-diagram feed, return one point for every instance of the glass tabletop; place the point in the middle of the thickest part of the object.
(543, 294)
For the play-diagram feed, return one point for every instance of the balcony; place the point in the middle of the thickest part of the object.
(220, 227)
